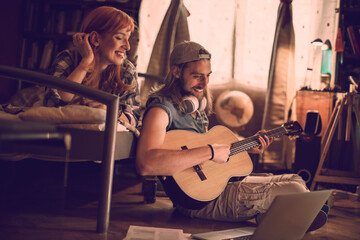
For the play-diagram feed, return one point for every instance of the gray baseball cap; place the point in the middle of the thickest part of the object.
(188, 51)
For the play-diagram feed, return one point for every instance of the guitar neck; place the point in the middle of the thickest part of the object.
(253, 141)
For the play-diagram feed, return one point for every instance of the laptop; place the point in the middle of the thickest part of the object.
(288, 218)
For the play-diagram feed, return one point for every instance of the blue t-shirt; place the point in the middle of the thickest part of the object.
(178, 120)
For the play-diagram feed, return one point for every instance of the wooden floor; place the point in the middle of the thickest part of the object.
(35, 206)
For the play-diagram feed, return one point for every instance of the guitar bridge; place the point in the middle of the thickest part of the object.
(200, 172)
(197, 168)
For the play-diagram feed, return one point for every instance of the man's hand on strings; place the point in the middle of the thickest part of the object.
(264, 141)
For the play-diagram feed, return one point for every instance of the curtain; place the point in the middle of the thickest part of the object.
(280, 82)
(174, 29)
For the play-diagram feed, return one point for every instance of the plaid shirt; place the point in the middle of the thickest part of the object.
(64, 65)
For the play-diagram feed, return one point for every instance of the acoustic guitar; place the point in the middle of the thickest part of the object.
(206, 181)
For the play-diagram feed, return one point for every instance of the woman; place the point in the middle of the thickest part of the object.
(98, 60)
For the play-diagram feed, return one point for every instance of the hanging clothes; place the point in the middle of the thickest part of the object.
(174, 29)
(281, 85)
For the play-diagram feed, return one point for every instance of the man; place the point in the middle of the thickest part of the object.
(183, 104)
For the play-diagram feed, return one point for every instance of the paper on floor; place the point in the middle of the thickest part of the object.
(153, 233)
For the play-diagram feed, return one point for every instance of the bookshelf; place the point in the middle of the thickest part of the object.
(48, 27)
(348, 61)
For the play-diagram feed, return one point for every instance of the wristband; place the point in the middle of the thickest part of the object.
(212, 152)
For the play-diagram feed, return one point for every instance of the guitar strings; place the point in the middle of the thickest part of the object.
(252, 142)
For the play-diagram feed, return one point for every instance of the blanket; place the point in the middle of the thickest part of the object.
(27, 105)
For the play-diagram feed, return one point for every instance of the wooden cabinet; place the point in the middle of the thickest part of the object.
(322, 102)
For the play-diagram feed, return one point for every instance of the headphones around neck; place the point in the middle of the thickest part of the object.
(192, 104)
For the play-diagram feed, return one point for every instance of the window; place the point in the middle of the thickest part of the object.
(240, 33)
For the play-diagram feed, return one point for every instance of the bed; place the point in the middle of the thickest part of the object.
(106, 139)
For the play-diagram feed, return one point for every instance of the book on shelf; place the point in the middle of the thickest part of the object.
(35, 54)
(76, 16)
(339, 45)
(32, 59)
(46, 55)
(354, 41)
(351, 3)
(23, 55)
(60, 26)
(45, 18)
(357, 33)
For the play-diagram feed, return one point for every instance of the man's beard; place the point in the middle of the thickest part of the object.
(187, 93)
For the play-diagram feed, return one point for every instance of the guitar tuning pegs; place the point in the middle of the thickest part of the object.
(292, 137)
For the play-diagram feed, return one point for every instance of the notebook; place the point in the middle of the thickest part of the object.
(288, 218)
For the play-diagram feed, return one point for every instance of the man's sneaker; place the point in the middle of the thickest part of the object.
(326, 208)
(319, 221)
(259, 217)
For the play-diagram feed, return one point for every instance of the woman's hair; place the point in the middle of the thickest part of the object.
(173, 89)
(105, 20)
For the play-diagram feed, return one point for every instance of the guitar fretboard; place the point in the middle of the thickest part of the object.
(253, 141)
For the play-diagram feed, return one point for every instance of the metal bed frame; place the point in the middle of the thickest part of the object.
(112, 103)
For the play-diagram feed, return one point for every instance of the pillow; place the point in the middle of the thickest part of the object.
(9, 116)
(65, 114)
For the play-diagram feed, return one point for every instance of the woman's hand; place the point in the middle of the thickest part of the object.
(264, 140)
(82, 45)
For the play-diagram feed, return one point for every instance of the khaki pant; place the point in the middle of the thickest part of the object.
(244, 199)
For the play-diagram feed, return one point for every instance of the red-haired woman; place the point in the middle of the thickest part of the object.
(99, 60)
